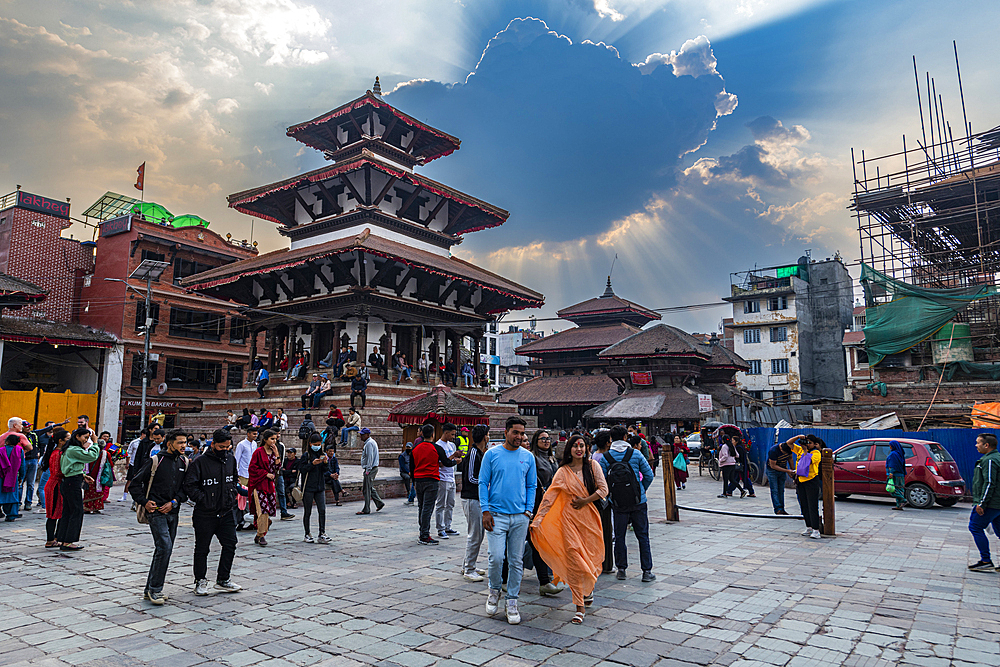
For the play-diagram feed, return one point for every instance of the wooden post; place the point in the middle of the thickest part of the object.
(829, 511)
(669, 488)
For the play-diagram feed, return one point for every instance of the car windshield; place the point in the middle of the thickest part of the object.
(694, 438)
(939, 453)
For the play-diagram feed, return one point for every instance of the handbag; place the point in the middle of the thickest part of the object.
(890, 486)
(680, 463)
(297, 489)
(141, 515)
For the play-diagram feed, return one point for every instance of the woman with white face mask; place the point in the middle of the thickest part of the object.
(312, 481)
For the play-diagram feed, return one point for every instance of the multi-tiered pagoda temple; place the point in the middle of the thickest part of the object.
(369, 260)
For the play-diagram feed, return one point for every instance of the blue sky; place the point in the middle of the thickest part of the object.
(692, 139)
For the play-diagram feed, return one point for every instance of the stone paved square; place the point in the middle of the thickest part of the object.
(891, 589)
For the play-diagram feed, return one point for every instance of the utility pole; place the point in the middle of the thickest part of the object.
(149, 270)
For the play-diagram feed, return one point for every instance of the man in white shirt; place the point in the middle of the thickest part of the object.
(281, 420)
(445, 505)
(243, 452)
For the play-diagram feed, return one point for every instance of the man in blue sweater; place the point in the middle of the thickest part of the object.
(635, 515)
(506, 496)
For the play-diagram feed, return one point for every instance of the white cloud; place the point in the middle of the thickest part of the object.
(605, 10)
(265, 88)
(798, 217)
(227, 105)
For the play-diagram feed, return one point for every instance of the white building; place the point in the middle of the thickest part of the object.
(788, 325)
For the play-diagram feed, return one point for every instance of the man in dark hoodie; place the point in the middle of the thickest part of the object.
(211, 483)
(158, 486)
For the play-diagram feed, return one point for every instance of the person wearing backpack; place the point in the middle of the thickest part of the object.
(158, 487)
(622, 468)
(809, 482)
(306, 430)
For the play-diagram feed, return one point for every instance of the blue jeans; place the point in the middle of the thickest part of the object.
(776, 482)
(164, 530)
(30, 473)
(41, 488)
(279, 487)
(507, 537)
(977, 526)
(344, 431)
(468, 379)
(639, 520)
(402, 372)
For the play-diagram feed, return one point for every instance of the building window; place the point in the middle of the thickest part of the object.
(140, 316)
(754, 367)
(493, 347)
(493, 327)
(782, 396)
(482, 346)
(777, 303)
(751, 307)
(234, 376)
(239, 330)
(196, 324)
(137, 370)
(779, 366)
(751, 336)
(779, 334)
(184, 268)
(759, 395)
(862, 356)
(193, 374)
(155, 256)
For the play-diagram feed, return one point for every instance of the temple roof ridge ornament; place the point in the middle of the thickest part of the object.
(608, 292)
(377, 88)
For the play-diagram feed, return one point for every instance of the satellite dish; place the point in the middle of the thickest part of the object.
(162, 388)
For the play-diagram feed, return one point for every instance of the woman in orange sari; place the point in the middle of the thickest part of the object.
(566, 529)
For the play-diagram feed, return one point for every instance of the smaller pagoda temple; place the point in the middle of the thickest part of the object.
(438, 407)
(573, 378)
(661, 372)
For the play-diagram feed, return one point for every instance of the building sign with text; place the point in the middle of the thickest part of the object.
(119, 225)
(53, 207)
(704, 402)
(641, 378)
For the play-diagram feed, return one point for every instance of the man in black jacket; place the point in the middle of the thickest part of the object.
(158, 485)
(470, 502)
(211, 483)
(377, 362)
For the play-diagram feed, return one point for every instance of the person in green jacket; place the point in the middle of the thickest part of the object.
(80, 451)
(985, 499)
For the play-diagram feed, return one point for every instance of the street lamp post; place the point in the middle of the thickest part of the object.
(150, 270)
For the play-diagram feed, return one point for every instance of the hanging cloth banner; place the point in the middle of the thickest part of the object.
(141, 178)
(914, 313)
(641, 378)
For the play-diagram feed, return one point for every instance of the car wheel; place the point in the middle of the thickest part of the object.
(919, 496)
(947, 502)
(841, 496)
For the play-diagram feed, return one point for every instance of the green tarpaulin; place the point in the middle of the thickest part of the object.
(913, 314)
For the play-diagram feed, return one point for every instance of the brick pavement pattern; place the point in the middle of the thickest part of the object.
(891, 589)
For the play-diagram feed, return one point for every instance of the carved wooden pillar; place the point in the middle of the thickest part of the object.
(253, 349)
(456, 356)
(272, 345)
(415, 351)
(362, 348)
(388, 342)
(338, 327)
(477, 341)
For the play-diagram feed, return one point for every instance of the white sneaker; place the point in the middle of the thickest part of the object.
(308, 538)
(513, 615)
(323, 539)
(480, 571)
(201, 587)
(472, 576)
(816, 535)
(492, 602)
(807, 532)
(228, 586)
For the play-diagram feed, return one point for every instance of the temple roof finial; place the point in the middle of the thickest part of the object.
(608, 292)
(377, 88)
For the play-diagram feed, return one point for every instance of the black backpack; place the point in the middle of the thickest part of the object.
(622, 483)
(305, 432)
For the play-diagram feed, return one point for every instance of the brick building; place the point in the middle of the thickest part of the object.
(198, 344)
(51, 367)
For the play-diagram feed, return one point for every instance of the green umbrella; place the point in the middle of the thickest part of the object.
(188, 220)
(153, 211)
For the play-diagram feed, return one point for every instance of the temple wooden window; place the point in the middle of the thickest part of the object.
(136, 380)
(239, 330)
(234, 376)
(184, 268)
(140, 316)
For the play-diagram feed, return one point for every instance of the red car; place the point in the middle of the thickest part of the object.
(931, 474)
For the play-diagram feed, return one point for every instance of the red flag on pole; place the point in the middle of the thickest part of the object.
(142, 176)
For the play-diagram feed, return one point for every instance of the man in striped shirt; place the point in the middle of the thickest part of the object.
(470, 502)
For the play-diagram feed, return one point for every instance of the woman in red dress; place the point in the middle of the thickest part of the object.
(681, 476)
(99, 476)
(264, 468)
(53, 499)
